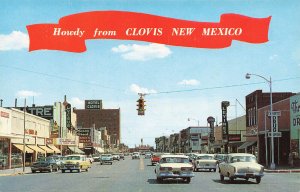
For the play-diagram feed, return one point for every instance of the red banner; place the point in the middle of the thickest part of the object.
(72, 31)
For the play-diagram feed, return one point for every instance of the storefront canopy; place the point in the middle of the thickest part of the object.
(76, 150)
(47, 149)
(247, 144)
(36, 148)
(99, 149)
(55, 149)
(20, 147)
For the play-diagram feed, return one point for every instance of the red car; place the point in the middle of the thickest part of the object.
(155, 158)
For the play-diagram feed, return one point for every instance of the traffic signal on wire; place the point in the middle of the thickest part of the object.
(141, 106)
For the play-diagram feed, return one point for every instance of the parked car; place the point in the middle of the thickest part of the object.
(241, 165)
(155, 158)
(59, 159)
(116, 157)
(148, 155)
(122, 156)
(96, 158)
(205, 161)
(174, 167)
(220, 157)
(135, 155)
(106, 158)
(76, 162)
(45, 164)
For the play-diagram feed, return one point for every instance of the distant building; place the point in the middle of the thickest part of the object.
(95, 116)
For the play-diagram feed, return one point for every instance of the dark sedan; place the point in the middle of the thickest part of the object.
(48, 164)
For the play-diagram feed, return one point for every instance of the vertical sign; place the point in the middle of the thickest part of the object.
(224, 106)
(68, 116)
(211, 121)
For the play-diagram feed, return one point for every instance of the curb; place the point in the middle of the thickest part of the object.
(12, 174)
(283, 171)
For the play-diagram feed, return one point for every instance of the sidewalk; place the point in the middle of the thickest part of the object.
(15, 171)
(283, 170)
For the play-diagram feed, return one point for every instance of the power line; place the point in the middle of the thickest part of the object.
(221, 87)
(62, 77)
(160, 92)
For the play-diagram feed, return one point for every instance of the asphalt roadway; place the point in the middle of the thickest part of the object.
(138, 176)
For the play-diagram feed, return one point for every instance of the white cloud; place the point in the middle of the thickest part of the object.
(76, 102)
(26, 93)
(273, 57)
(137, 89)
(16, 40)
(189, 82)
(142, 52)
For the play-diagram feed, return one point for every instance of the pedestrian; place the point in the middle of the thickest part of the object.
(291, 160)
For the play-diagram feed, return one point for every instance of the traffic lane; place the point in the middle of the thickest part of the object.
(138, 175)
(210, 181)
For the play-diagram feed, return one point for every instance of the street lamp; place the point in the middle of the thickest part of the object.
(271, 115)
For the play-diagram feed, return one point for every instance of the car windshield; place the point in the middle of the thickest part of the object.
(105, 155)
(73, 158)
(174, 160)
(242, 159)
(205, 157)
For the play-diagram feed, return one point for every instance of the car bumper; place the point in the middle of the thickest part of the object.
(106, 161)
(248, 175)
(70, 167)
(206, 167)
(172, 175)
(40, 168)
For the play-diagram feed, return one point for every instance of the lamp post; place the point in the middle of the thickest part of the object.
(24, 140)
(248, 75)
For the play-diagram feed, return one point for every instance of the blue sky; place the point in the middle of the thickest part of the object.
(115, 77)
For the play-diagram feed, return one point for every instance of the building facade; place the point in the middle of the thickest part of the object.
(95, 116)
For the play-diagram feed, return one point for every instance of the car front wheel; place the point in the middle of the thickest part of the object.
(258, 179)
(159, 180)
(188, 180)
(221, 177)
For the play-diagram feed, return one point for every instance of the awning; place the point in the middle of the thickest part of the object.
(235, 144)
(47, 149)
(247, 144)
(20, 147)
(36, 148)
(99, 149)
(76, 150)
(55, 149)
(216, 146)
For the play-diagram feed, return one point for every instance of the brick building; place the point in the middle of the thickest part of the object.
(257, 106)
(95, 116)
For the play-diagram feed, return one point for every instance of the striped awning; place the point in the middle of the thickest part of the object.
(36, 148)
(20, 147)
(55, 149)
(47, 149)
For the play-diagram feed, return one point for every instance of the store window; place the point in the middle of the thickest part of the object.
(4, 149)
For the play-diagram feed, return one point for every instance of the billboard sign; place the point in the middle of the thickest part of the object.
(93, 104)
(295, 116)
(45, 112)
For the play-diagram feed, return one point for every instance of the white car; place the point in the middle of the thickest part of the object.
(205, 161)
(135, 155)
(241, 165)
(174, 167)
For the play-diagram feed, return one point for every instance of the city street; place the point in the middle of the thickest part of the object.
(138, 175)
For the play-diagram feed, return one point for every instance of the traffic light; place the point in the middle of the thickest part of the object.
(141, 106)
